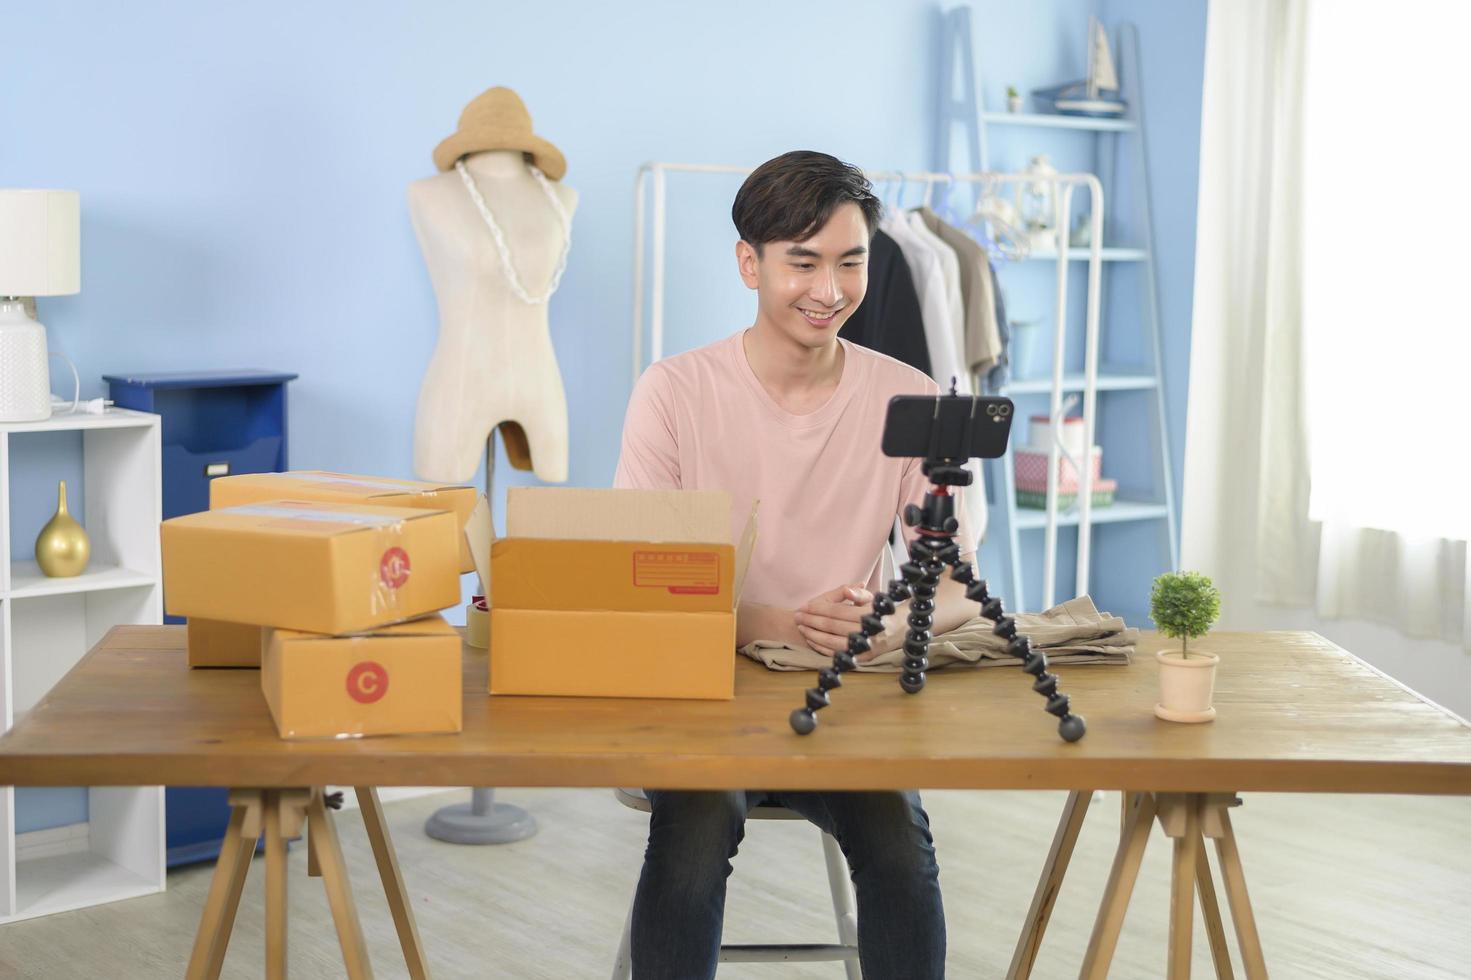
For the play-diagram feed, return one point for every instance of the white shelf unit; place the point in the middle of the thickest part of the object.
(1135, 408)
(48, 624)
(1051, 121)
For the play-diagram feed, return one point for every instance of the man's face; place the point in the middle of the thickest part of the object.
(808, 289)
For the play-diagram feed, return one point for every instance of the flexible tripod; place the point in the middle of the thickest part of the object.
(929, 554)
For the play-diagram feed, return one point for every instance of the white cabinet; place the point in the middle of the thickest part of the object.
(48, 624)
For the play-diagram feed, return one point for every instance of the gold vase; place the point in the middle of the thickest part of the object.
(62, 548)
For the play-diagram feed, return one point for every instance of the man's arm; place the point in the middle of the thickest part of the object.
(756, 622)
(824, 622)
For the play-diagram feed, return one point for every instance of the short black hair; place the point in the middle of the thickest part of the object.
(789, 198)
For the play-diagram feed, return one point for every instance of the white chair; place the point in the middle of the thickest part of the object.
(845, 909)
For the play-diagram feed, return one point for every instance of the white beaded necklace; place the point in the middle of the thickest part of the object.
(500, 239)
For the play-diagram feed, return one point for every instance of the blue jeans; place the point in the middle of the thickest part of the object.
(679, 907)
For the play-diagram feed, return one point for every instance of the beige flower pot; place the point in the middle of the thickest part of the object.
(1186, 685)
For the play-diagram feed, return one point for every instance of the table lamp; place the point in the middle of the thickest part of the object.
(40, 255)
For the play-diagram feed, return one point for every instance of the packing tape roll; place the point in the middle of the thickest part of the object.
(477, 623)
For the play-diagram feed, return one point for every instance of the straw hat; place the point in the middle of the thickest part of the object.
(497, 119)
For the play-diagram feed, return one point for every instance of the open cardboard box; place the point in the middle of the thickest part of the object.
(616, 593)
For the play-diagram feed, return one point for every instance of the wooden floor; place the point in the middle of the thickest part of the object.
(1344, 887)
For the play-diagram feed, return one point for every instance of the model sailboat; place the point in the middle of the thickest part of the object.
(1094, 95)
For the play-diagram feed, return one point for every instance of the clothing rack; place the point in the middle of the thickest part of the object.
(651, 180)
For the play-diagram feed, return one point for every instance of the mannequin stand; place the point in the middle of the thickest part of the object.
(482, 820)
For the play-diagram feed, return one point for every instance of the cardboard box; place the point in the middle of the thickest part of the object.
(398, 680)
(214, 643)
(617, 593)
(308, 565)
(345, 488)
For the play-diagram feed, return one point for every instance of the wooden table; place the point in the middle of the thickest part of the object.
(1296, 713)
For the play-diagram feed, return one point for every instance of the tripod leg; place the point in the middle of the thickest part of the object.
(1070, 726)
(932, 549)
(804, 719)
(922, 572)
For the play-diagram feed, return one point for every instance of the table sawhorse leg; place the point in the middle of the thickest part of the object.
(1211, 911)
(1180, 816)
(393, 882)
(1218, 827)
(339, 889)
(224, 895)
(1188, 819)
(279, 814)
(1049, 884)
(1120, 887)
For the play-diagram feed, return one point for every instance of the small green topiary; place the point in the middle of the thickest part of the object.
(1011, 92)
(1184, 604)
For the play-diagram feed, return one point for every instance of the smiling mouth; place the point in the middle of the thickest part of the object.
(818, 317)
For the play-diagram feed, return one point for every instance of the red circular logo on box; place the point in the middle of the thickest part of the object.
(367, 682)
(394, 567)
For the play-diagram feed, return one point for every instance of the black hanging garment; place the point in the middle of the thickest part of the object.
(889, 320)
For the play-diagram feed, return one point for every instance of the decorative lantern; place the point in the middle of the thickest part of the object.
(1037, 202)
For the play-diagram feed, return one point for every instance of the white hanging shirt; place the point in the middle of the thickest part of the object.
(942, 338)
(954, 301)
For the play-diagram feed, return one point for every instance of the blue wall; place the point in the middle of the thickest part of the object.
(1172, 51)
(243, 173)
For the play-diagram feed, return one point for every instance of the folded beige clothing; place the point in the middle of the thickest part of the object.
(1074, 632)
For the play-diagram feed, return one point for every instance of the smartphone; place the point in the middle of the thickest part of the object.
(948, 426)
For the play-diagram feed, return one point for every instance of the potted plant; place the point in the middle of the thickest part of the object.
(1184, 605)
(1013, 99)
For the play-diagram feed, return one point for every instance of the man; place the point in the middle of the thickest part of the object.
(787, 413)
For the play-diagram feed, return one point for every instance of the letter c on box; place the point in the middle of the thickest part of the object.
(367, 682)
(393, 568)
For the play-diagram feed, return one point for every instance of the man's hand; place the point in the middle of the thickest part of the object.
(825, 621)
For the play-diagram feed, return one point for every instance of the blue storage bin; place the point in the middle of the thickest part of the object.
(214, 423)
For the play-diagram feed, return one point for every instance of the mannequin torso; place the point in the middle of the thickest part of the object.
(493, 364)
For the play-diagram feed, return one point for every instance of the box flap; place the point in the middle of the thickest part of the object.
(577, 513)
(435, 625)
(311, 517)
(743, 554)
(383, 484)
(480, 535)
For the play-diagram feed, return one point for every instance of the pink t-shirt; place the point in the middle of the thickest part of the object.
(701, 421)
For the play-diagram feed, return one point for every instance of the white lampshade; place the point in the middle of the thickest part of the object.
(40, 242)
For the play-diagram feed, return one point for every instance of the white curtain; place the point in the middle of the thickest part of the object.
(1246, 478)
(1304, 483)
